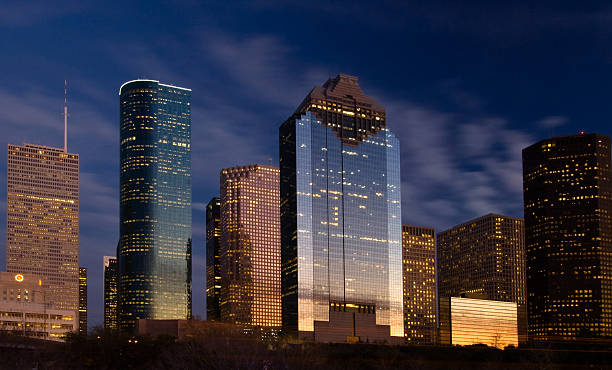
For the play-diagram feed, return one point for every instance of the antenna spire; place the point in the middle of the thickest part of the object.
(65, 116)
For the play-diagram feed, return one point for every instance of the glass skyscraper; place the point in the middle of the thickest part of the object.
(567, 189)
(341, 218)
(155, 211)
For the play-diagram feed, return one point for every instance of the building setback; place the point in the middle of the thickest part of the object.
(155, 202)
(111, 271)
(250, 246)
(24, 309)
(419, 275)
(83, 300)
(568, 232)
(213, 267)
(341, 218)
(485, 258)
(42, 234)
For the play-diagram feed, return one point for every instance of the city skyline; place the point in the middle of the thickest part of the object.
(444, 115)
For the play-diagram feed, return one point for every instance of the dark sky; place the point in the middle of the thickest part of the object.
(466, 87)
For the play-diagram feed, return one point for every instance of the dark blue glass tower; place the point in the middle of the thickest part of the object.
(341, 218)
(155, 211)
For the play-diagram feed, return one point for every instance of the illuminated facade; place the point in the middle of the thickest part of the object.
(419, 274)
(341, 218)
(213, 267)
(568, 233)
(250, 246)
(485, 257)
(468, 321)
(42, 234)
(83, 300)
(111, 272)
(155, 210)
(24, 309)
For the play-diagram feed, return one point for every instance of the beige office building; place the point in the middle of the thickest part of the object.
(250, 252)
(42, 234)
(467, 321)
(485, 258)
(419, 273)
(24, 309)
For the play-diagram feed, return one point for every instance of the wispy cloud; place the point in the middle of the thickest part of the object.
(454, 167)
(552, 121)
(265, 67)
(28, 13)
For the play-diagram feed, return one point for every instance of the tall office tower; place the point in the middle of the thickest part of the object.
(83, 300)
(250, 246)
(213, 267)
(485, 258)
(111, 272)
(155, 210)
(42, 234)
(419, 272)
(341, 218)
(568, 234)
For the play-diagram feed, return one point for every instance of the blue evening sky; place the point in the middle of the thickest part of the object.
(466, 87)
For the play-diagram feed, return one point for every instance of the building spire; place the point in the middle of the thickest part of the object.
(65, 116)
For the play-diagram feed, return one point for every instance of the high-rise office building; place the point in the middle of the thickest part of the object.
(341, 218)
(111, 272)
(213, 267)
(250, 246)
(155, 202)
(419, 274)
(485, 258)
(83, 300)
(568, 233)
(42, 234)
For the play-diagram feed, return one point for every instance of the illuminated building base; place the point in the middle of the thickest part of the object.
(351, 325)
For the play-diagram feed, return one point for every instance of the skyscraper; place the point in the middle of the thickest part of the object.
(419, 273)
(250, 246)
(155, 210)
(213, 267)
(111, 272)
(485, 258)
(568, 233)
(341, 217)
(42, 234)
(83, 300)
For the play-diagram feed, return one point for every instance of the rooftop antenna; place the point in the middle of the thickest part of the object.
(65, 117)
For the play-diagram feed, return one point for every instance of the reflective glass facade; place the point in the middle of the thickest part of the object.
(340, 210)
(568, 233)
(419, 273)
(213, 267)
(155, 210)
(467, 321)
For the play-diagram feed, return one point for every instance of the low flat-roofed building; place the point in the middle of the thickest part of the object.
(24, 310)
(468, 321)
